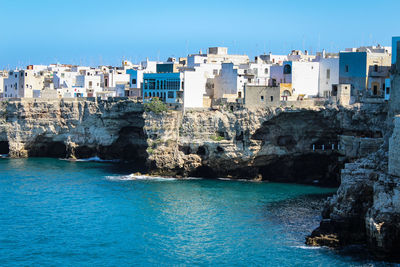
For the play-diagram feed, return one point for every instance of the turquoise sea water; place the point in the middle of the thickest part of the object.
(60, 213)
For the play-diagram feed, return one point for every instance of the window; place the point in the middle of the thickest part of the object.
(328, 74)
(375, 90)
(266, 71)
(215, 72)
(15, 75)
(262, 98)
(387, 90)
(133, 81)
(347, 68)
(170, 94)
(287, 69)
(239, 94)
(90, 84)
(5, 88)
(26, 74)
(376, 68)
(272, 99)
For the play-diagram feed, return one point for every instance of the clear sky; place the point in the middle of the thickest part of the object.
(94, 32)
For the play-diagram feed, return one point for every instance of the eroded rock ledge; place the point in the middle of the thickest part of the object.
(279, 144)
(366, 207)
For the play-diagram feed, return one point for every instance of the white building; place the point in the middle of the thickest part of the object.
(274, 59)
(301, 78)
(90, 80)
(64, 78)
(22, 83)
(328, 75)
(229, 83)
(194, 88)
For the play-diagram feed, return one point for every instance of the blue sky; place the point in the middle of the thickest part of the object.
(94, 32)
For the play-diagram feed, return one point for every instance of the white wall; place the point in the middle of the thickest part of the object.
(325, 83)
(68, 80)
(11, 84)
(228, 82)
(277, 73)
(195, 84)
(305, 78)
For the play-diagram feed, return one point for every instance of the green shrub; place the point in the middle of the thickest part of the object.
(150, 151)
(156, 106)
(217, 138)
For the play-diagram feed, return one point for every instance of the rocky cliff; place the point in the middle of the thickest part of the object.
(288, 145)
(74, 129)
(366, 208)
(306, 145)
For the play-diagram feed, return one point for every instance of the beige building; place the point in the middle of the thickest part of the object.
(256, 96)
(23, 83)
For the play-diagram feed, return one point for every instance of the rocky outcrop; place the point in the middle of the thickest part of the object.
(277, 144)
(74, 129)
(366, 207)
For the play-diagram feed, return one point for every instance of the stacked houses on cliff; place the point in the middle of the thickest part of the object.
(204, 80)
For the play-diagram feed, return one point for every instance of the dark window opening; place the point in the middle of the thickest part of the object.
(287, 69)
(375, 90)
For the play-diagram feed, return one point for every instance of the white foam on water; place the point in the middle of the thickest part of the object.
(225, 179)
(237, 180)
(132, 177)
(92, 159)
(3, 155)
(307, 247)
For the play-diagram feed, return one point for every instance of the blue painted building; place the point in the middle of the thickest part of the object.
(166, 86)
(135, 78)
(395, 40)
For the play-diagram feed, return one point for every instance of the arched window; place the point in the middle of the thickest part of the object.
(286, 93)
(287, 69)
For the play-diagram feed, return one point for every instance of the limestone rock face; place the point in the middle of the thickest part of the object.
(365, 209)
(307, 145)
(277, 144)
(76, 129)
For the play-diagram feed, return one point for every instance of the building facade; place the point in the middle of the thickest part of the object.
(166, 86)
